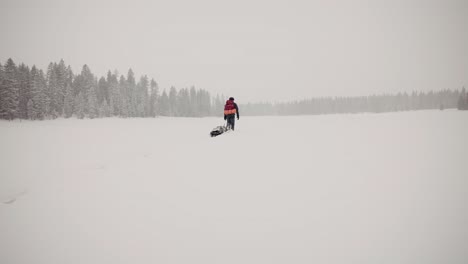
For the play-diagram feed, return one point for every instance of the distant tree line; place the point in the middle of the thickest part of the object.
(31, 93)
(463, 100)
(373, 104)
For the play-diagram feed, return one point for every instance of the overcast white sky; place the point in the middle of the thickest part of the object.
(253, 50)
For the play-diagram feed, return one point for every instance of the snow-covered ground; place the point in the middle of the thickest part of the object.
(364, 188)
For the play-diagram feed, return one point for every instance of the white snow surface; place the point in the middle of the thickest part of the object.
(362, 188)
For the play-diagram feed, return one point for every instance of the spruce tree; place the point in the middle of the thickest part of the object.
(33, 109)
(62, 76)
(173, 107)
(125, 102)
(131, 94)
(153, 101)
(183, 102)
(43, 100)
(88, 87)
(52, 91)
(80, 105)
(462, 100)
(164, 104)
(68, 101)
(24, 90)
(141, 97)
(194, 102)
(114, 94)
(103, 90)
(93, 105)
(9, 92)
(2, 89)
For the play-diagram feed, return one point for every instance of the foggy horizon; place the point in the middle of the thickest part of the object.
(256, 52)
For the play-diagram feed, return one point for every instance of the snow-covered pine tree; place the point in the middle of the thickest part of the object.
(106, 109)
(145, 93)
(173, 107)
(69, 101)
(30, 109)
(52, 91)
(9, 92)
(62, 80)
(88, 86)
(93, 110)
(24, 90)
(1, 86)
(194, 102)
(33, 111)
(154, 97)
(183, 102)
(125, 104)
(69, 76)
(41, 100)
(2, 90)
(80, 105)
(164, 104)
(462, 100)
(103, 90)
(131, 94)
(114, 94)
(141, 97)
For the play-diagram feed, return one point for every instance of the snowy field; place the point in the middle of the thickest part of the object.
(364, 188)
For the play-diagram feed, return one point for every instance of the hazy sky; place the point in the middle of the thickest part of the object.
(252, 50)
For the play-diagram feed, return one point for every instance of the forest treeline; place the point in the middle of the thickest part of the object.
(371, 104)
(31, 93)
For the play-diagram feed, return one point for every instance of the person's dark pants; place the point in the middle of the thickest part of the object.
(231, 120)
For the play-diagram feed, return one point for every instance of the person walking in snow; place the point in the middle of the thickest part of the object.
(230, 112)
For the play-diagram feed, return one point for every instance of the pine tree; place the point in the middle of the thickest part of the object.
(68, 101)
(115, 101)
(80, 105)
(30, 109)
(125, 102)
(34, 111)
(62, 76)
(41, 100)
(24, 90)
(105, 109)
(93, 104)
(9, 92)
(141, 97)
(87, 86)
(52, 91)
(154, 97)
(131, 94)
(173, 107)
(183, 102)
(462, 100)
(194, 102)
(164, 104)
(103, 90)
(2, 90)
